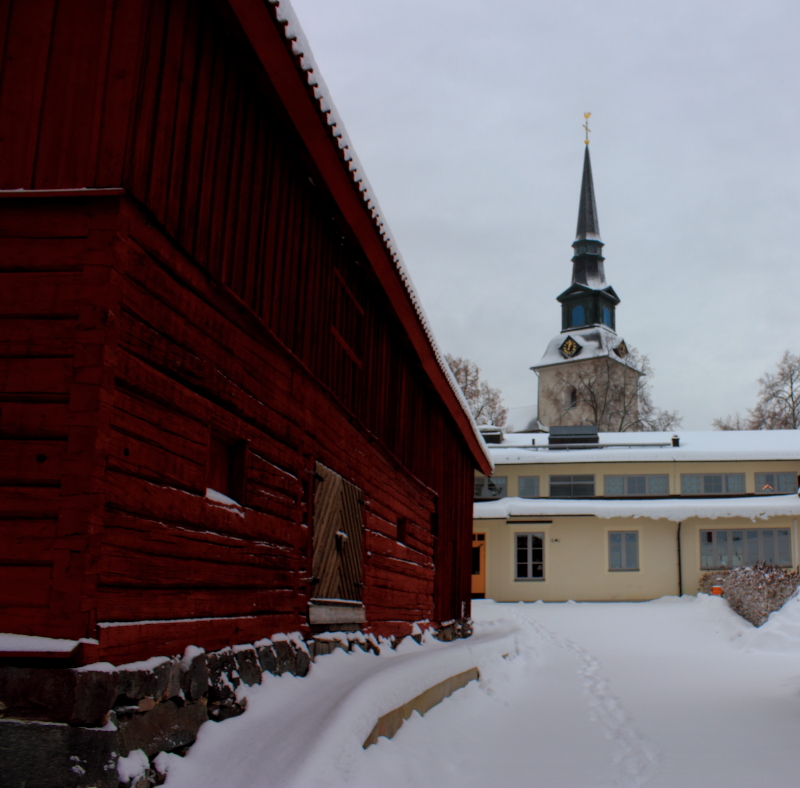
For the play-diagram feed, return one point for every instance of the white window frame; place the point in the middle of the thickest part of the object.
(531, 565)
(624, 552)
(753, 546)
(704, 478)
(625, 482)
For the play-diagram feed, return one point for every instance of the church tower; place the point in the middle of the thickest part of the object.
(586, 376)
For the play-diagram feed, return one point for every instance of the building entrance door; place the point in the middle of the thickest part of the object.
(478, 566)
(337, 562)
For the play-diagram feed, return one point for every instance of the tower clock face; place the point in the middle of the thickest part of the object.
(621, 349)
(569, 347)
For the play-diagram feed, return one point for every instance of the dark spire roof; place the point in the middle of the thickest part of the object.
(588, 226)
(587, 262)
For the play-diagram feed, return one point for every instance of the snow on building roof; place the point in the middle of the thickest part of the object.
(302, 49)
(594, 341)
(674, 509)
(702, 446)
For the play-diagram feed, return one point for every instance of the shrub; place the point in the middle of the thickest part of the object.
(753, 591)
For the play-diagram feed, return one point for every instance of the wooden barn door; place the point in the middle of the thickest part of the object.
(337, 539)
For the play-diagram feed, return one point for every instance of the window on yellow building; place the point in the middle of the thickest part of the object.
(489, 488)
(729, 549)
(572, 486)
(655, 484)
(623, 551)
(775, 483)
(529, 557)
(528, 486)
(712, 483)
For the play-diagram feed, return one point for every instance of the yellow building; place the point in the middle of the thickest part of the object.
(633, 516)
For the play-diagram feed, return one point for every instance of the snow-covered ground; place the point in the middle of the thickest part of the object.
(674, 693)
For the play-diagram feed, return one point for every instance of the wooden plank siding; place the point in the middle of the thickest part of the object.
(202, 281)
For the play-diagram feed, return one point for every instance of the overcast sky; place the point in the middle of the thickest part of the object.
(467, 117)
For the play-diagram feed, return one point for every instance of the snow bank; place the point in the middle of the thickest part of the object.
(296, 730)
(779, 633)
(677, 510)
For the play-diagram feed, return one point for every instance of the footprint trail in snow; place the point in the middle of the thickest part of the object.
(634, 755)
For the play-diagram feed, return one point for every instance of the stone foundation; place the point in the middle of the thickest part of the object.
(68, 728)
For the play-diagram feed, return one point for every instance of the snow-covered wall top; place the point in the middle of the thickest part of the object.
(302, 49)
(711, 445)
(674, 509)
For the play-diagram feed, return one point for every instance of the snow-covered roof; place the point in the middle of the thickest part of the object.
(674, 509)
(302, 49)
(711, 445)
(594, 341)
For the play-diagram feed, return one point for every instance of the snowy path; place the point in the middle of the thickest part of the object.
(666, 694)
(632, 754)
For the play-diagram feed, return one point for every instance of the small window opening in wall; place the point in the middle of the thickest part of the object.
(402, 529)
(226, 467)
(570, 398)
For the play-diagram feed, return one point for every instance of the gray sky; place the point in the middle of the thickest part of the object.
(467, 117)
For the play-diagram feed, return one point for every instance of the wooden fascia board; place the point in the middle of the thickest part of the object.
(270, 46)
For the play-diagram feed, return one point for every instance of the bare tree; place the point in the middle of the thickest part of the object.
(778, 406)
(485, 402)
(613, 395)
(652, 419)
(733, 422)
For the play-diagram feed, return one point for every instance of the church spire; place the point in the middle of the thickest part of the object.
(588, 226)
(587, 262)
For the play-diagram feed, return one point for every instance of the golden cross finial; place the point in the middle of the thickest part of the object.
(587, 115)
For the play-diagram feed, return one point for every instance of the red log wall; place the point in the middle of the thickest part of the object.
(224, 294)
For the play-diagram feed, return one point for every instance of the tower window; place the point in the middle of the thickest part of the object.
(570, 398)
(578, 316)
(607, 316)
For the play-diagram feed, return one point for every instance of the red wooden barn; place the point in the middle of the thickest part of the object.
(197, 294)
